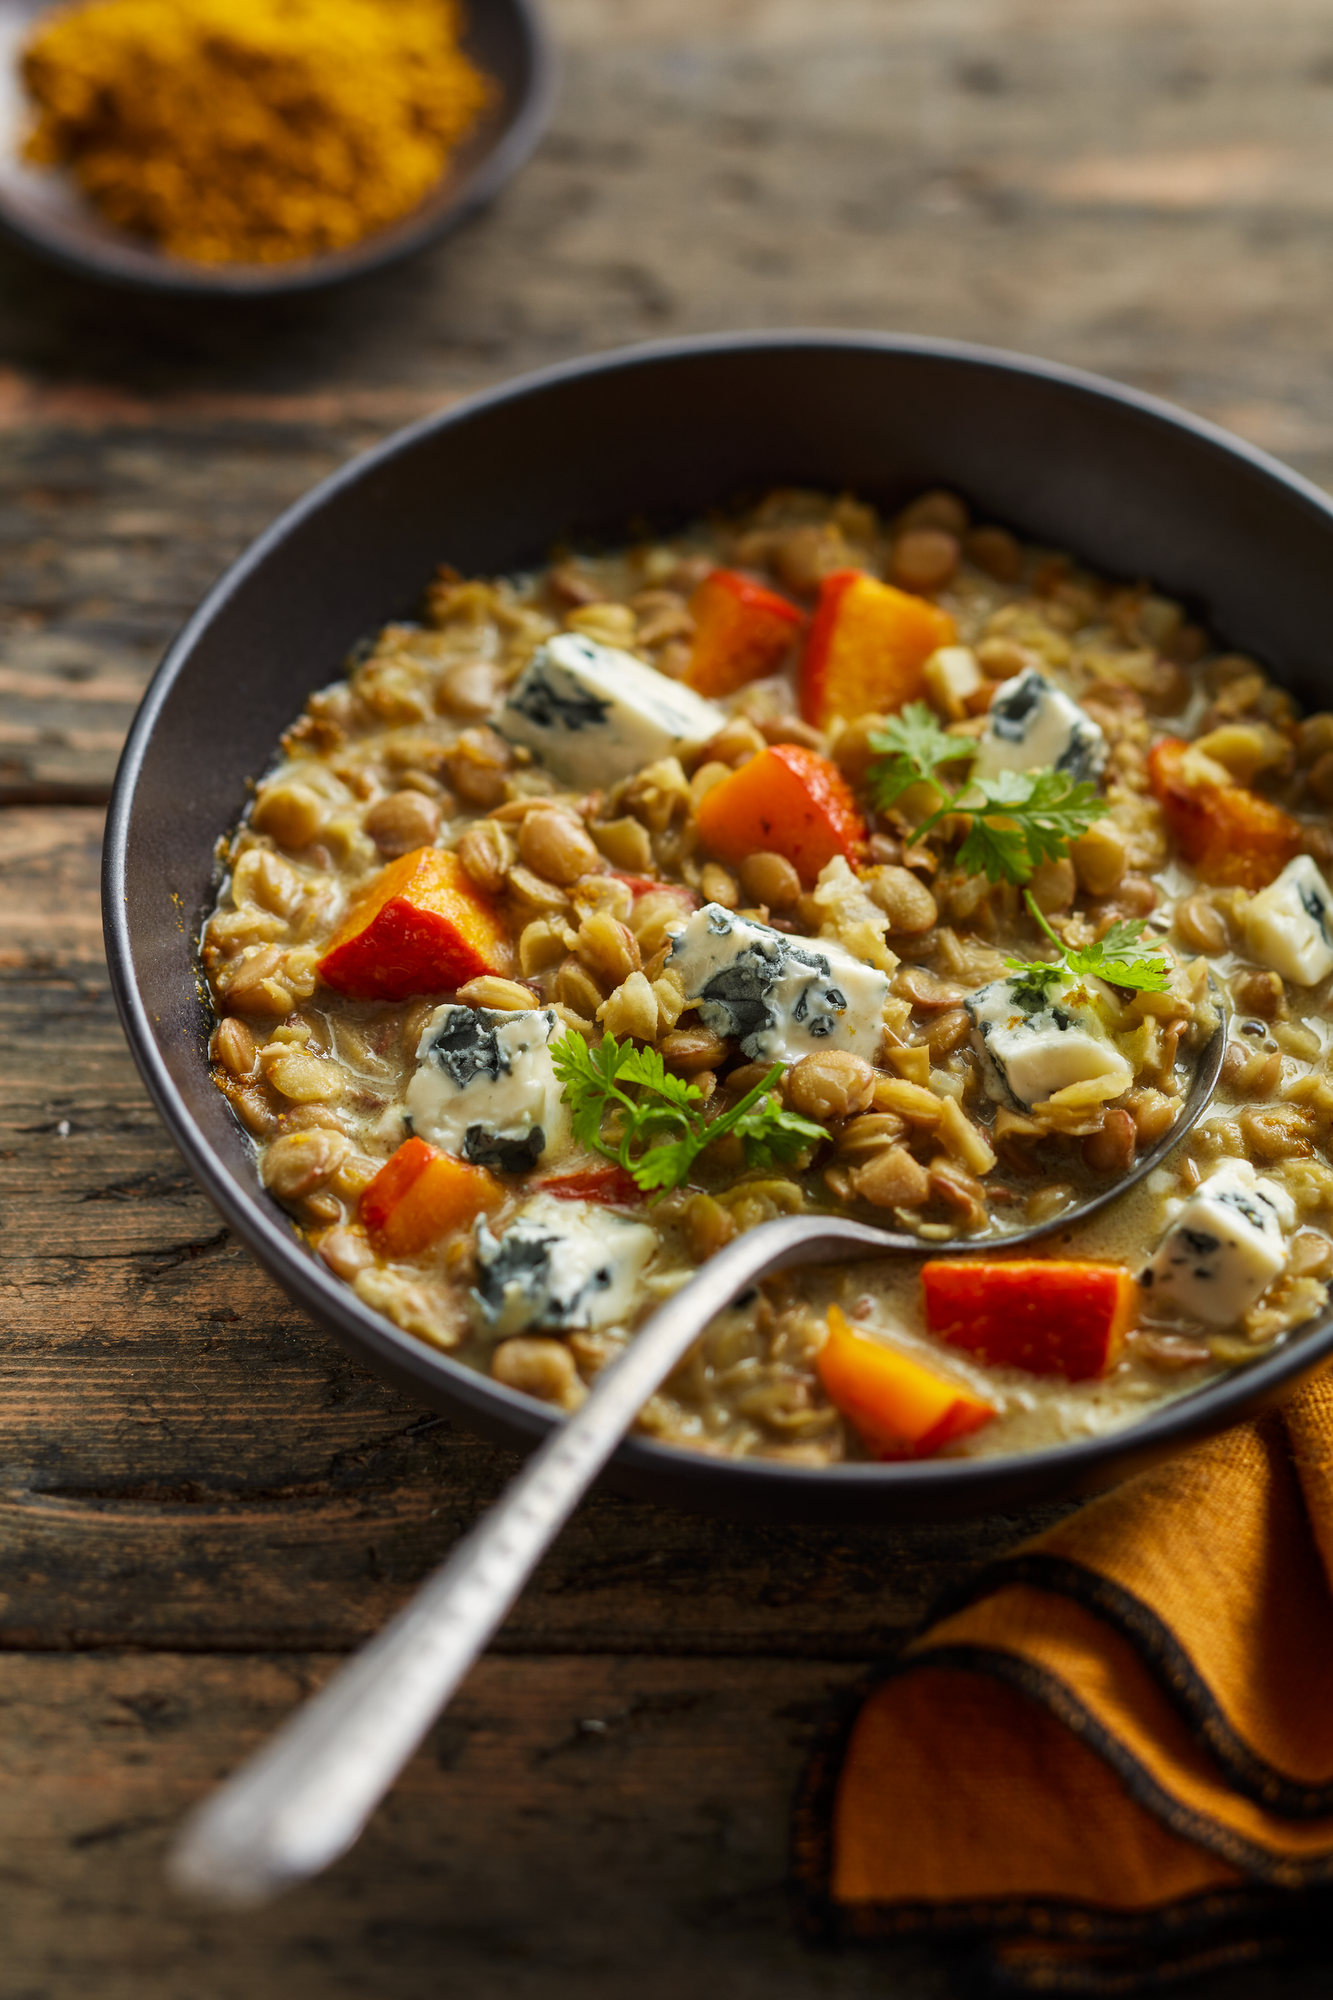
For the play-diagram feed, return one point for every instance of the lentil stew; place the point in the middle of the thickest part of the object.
(804, 859)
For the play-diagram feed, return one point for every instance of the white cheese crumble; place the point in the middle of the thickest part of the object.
(1287, 925)
(1224, 1247)
(559, 1264)
(1032, 726)
(485, 1087)
(1034, 1041)
(594, 714)
(780, 997)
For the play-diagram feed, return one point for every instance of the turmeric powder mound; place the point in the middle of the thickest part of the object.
(252, 130)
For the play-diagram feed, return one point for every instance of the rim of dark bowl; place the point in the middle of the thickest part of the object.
(928, 1490)
(508, 37)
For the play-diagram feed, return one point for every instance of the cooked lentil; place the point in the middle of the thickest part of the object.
(593, 887)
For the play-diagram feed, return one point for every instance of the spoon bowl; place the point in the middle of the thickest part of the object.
(809, 1231)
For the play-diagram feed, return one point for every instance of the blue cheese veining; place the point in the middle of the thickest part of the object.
(1225, 1246)
(594, 714)
(559, 1264)
(1288, 925)
(779, 997)
(485, 1087)
(1036, 1040)
(1032, 725)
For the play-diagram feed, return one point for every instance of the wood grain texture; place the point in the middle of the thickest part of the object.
(190, 1470)
(1140, 189)
(188, 1462)
(202, 1501)
(575, 1828)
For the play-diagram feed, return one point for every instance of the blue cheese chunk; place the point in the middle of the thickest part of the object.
(1036, 1040)
(1287, 925)
(594, 714)
(780, 997)
(1031, 726)
(1225, 1246)
(559, 1264)
(486, 1089)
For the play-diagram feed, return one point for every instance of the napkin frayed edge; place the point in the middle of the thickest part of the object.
(1016, 1941)
(1249, 1774)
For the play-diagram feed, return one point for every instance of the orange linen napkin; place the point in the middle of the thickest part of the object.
(1111, 1756)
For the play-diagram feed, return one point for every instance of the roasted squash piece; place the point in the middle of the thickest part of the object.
(1051, 1317)
(419, 1195)
(786, 800)
(898, 1407)
(1229, 835)
(422, 927)
(867, 648)
(741, 632)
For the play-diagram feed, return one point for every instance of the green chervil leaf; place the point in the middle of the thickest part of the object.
(1019, 820)
(912, 747)
(769, 1133)
(662, 1130)
(1119, 958)
(589, 1077)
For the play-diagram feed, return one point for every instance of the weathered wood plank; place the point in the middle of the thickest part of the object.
(575, 1828)
(50, 911)
(1140, 186)
(1143, 190)
(189, 1462)
(106, 543)
(960, 167)
(326, 1563)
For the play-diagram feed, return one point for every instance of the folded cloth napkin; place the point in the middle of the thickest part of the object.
(1110, 1757)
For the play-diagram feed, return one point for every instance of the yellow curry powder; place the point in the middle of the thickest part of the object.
(252, 130)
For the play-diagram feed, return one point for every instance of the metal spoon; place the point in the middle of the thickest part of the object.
(303, 1800)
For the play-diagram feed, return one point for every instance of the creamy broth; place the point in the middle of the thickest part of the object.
(695, 796)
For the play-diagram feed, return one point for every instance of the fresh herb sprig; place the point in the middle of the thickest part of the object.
(1120, 958)
(661, 1129)
(1018, 818)
(912, 747)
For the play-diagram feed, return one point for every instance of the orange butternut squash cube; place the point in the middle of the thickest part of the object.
(741, 632)
(789, 801)
(422, 927)
(867, 648)
(1051, 1317)
(898, 1407)
(419, 1195)
(1229, 835)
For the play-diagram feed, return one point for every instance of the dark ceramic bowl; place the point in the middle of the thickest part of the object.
(44, 210)
(1133, 486)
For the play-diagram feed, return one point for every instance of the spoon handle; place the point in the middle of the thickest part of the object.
(305, 1797)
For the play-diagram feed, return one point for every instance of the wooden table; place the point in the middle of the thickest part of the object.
(203, 1503)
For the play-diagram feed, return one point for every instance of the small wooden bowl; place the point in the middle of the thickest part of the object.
(42, 208)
